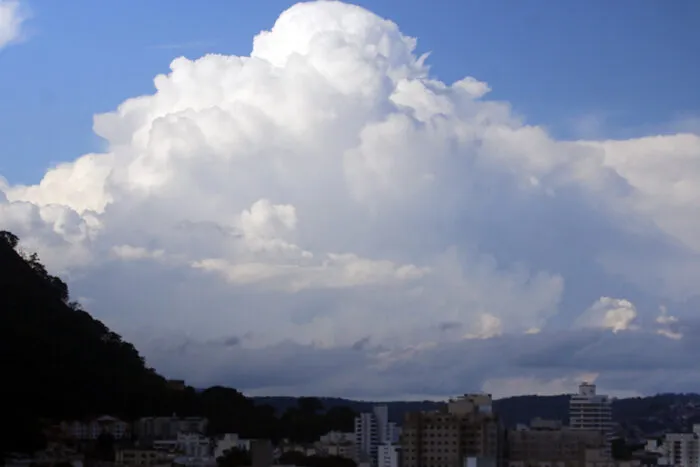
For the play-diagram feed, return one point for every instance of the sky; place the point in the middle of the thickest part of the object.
(377, 200)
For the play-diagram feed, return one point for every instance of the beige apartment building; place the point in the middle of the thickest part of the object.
(548, 443)
(466, 427)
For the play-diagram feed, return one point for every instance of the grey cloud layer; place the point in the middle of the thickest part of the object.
(325, 217)
(619, 362)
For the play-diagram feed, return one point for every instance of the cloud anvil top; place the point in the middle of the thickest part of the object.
(326, 216)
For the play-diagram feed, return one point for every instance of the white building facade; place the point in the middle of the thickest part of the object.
(591, 411)
(230, 441)
(92, 429)
(388, 455)
(678, 449)
(194, 445)
(373, 429)
(159, 428)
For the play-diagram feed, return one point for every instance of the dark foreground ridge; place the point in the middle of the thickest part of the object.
(59, 363)
(63, 363)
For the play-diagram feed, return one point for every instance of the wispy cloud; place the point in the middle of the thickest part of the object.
(13, 14)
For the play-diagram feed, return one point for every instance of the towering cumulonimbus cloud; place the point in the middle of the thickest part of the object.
(326, 191)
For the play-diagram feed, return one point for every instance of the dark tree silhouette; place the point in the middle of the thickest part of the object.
(309, 405)
(234, 458)
(67, 365)
(8, 237)
(341, 419)
(104, 447)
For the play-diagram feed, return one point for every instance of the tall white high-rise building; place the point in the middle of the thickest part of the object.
(591, 411)
(371, 430)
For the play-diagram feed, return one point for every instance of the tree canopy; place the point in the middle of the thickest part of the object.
(234, 458)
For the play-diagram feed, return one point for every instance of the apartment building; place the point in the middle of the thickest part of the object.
(678, 449)
(337, 443)
(600, 458)
(388, 455)
(334, 437)
(92, 429)
(591, 411)
(480, 462)
(142, 457)
(346, 450)
(162, 428)
(194, 450)
(373, 429)
(302, 449)
(230, 441)
(465, 427)
(548, 442)
(194, 445)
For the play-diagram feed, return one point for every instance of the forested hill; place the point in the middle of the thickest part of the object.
(62, 362)
(59, 363)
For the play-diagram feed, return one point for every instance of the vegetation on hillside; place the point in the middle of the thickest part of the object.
(234, 457)
(64, 364)
(59, 362)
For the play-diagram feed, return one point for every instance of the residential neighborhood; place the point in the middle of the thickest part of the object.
(464, 432)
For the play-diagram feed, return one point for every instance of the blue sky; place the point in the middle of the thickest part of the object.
(317, 199)
(583, 68)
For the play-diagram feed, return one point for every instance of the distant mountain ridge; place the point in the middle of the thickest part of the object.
(513, 410)
(639, 415)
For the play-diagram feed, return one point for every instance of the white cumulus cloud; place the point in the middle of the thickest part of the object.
(615, 314)
(327, 190)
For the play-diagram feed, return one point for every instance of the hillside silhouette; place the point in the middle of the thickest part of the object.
(60, 363)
